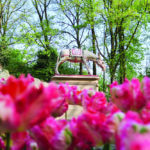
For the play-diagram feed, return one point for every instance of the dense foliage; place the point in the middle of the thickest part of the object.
(111, 28)
(45, 64)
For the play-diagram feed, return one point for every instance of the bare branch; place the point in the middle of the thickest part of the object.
(85, 38)
(135, 30)
(82, 33)
(69, 34)
(97, 45)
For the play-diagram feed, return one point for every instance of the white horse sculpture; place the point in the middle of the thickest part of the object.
(77, 56)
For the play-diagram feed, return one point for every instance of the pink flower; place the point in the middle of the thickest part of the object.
(94, 129)
(134, 141)
(60, 108)
(146, 88)
(2, 144)
(145, 113)
(51, 134)
(86, 130)
(133, 116)
(94, 103)
(110, 127)
(132, 135)
(22, 140)
(60, 104)
(9, 119)
(74, 97)
(90, 100)
(128, 96)
(36, 104)
(111, 108)
(138, 141)
(24, 105)
(15, 87)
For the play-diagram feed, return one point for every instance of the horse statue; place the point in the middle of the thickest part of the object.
(78, 56)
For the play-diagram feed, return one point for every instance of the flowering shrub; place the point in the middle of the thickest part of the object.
(28, 116)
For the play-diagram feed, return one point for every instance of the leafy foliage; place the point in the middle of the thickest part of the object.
(16, 64)
(38, 29)
(45, 64)
(148, 71)
(66, 69)
(134, 56)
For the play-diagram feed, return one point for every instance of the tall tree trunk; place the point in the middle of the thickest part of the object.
(104, 86)
(81, 68)
(92, 21)
(112, 68)
(78, 37)
(94, 47)
(112, 73)
(80, 64)
(122, 69)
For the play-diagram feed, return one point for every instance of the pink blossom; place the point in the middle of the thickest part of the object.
(94, 103)
(90, 100)
(111, 108)
(22, 140)
(51, 134)
(146, 88)
(133, 116)
(74, 96)
(130, 127)
(2, 144)
(86, 130)
(8, 115)
(145, 113)
(2, 81)
(60, 108)
(60, 103)
(138, 141)
(36, 104)
(128, 96)
(24, 105)
(132, 135)
(15, 87)
(94, 129)
(110, 127)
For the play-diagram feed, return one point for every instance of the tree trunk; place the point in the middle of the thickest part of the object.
(122, 69)
(112, 73)
(94, 47)
(78, 37)
(80, 72)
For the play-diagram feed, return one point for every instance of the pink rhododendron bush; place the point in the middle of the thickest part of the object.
(28, 116)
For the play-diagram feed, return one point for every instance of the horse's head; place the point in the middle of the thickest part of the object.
(100, 63)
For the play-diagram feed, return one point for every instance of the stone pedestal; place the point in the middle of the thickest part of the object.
(82, 82)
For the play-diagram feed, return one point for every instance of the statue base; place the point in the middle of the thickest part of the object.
(82, 82)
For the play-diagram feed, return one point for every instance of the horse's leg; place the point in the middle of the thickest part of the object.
(87, 67)
(62, 60)
(56, 68)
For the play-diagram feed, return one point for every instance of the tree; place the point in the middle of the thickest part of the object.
(123, 19)
(40, 34)
(89, 8)
(45, 64)
(16, 62)
(10, 17)
(75, 26)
